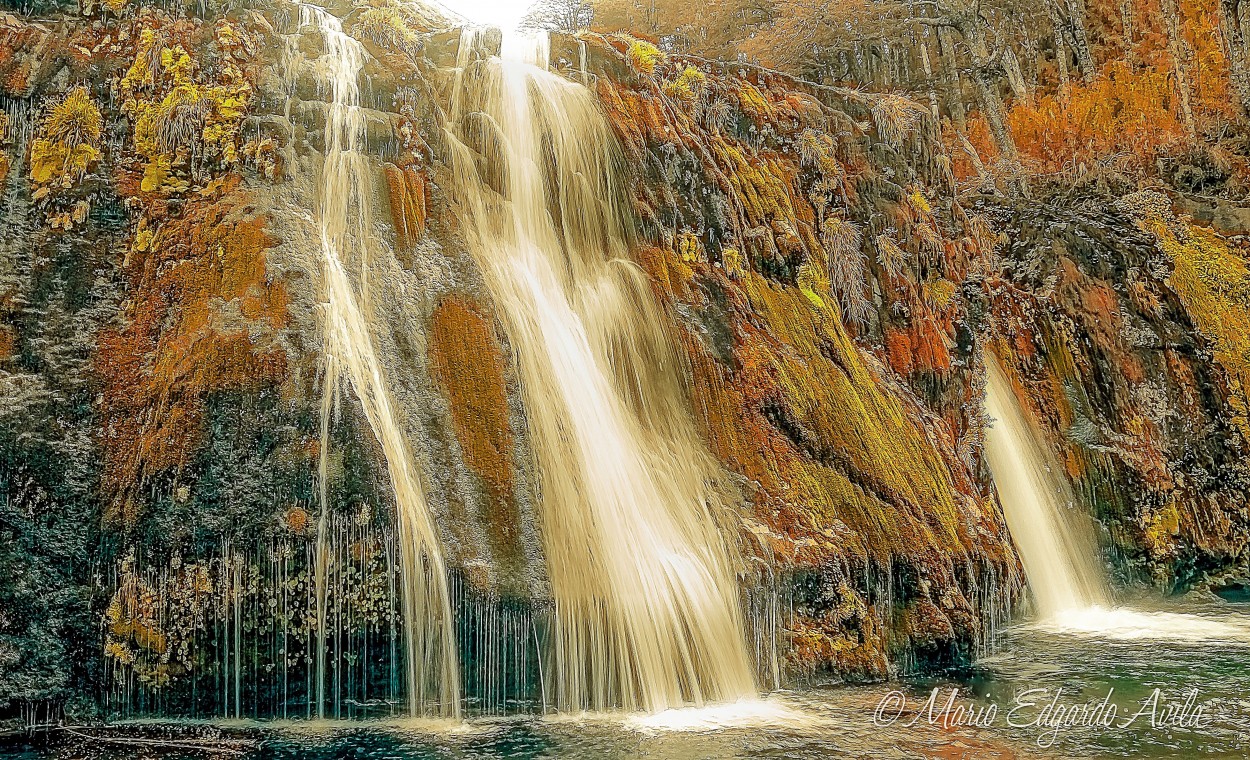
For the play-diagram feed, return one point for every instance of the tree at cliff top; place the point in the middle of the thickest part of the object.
(559, 15)
(1049, 89)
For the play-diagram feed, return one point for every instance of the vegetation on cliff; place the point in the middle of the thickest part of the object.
(821, 252)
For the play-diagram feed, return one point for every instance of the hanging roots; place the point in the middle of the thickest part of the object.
(896, 117)
(182, 125)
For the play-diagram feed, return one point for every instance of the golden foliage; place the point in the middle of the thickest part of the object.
(896, 117)
(387, 27)
(891, 258)
(184, 124)
(688, 86)
(644, 57)
(67, 143)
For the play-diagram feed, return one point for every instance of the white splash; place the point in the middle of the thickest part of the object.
(771, 712)
(1124, 624)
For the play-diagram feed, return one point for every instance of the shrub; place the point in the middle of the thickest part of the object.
(67, 144)
(644, 57)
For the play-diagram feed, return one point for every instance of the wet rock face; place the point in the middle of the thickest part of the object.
(823, 286)
(158, 320)
(815, 273)
(142, 334)
(1104, 315)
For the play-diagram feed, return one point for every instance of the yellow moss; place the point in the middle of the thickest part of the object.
(75, 120)
(812, 282)
(1162, 527)
(919, 203)
(141, 73)
(688, 86)
(176, 117)
(938, 292)
(848, 417)
(143, 239)
(53, 163)
(1213, 281)
(690, 248)
(735, 264)
(157, 174)
(753, 102)
(759, 186)
(644, 57)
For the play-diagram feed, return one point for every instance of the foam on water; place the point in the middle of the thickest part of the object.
(770, 712)
(1126, 624)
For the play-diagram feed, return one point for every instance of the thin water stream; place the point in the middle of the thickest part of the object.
(347, 238)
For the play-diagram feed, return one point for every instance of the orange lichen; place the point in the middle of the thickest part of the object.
(8, 342)
(407, 193)
(201, 304)
(468, 362)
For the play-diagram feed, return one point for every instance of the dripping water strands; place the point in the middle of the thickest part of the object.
(241, 632)
(345, 195)
(646, 603)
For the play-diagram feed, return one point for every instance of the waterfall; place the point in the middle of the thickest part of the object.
(647, 612)
(1060, 560)
(344, 224)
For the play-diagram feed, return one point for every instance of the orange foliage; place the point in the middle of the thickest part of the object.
(1128, 116)
(1121, 112)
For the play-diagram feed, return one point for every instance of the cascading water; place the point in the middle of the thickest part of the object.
(646, 601)
(344, 224)
(1060, 561)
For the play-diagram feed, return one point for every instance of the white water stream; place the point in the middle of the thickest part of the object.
(1053, 535)
(1060, 560)
(647, 607)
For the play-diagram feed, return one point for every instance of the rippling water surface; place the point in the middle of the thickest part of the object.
(1073, 660)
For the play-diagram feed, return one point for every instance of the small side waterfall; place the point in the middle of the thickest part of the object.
(1061, 562)
(346, 238)
(647, 607)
